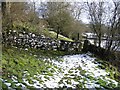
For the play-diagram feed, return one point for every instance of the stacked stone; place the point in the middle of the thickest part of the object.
(31, 40)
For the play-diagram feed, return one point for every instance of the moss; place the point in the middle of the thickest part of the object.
(82, 72)
(40, 81)
(111, 85)
(90, 77)
(13, 85)
(77, 78)
(30, 81)
(46, 77)
(4, 86)
(104, 84)
(80, 86)
(79, 68)
(9, 80)
(50, 74)
(70, 71)
(20, 80)
(31, 87)
(68, 81)
(84, 79)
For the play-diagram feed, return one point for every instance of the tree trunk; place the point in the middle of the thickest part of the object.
(99, 42)
(78, 36)
(57, 33)
(110, 44)
(3, 8)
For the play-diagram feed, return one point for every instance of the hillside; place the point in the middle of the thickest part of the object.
(31, 68)
(53, 34)
(27, 27)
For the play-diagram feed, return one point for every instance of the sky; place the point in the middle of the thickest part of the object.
(59, 0)
(73, 0)
(84, 16)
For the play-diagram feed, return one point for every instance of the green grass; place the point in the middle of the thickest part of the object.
(28, 27)
(113, 72)
(15, 61)
(34, 29)
(53, 35)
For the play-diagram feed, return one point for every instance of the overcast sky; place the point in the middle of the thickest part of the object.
(74, 0)
(84, 16)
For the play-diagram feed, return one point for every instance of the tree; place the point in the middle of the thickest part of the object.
(6, 18)
(105, 15)
(76, 10)
(3, 8)
(76, 30)
(96, 10)
(25, 13)
(63, 17)
(11, 14)
(58, 16)
(113, 31)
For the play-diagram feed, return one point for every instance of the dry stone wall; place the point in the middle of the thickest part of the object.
(30, 40)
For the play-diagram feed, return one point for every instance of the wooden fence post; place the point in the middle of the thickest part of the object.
(85, 46)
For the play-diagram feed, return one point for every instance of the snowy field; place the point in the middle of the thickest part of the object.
(71, 71)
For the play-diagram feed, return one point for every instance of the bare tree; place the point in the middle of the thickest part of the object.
(113, 37)
(96, 10)
(108, 15)
(76, 10)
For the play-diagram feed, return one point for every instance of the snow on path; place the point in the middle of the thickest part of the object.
(69, 68)
(71, 63)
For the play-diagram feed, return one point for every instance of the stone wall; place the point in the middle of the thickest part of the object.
(30, 40)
